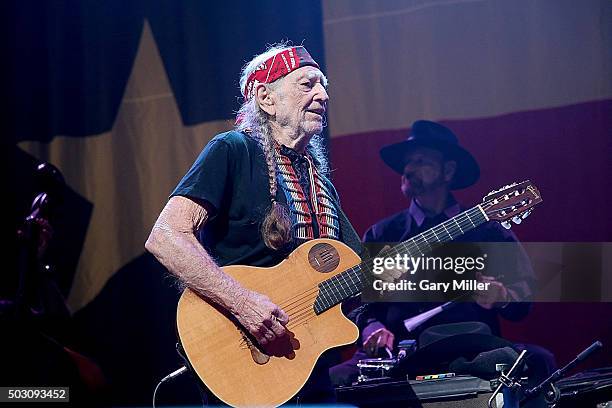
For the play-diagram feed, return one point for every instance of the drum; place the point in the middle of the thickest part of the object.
(375, 368)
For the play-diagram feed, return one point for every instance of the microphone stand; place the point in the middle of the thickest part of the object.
(50, 184)
(29, 263)
(554, 394)
(507, 380)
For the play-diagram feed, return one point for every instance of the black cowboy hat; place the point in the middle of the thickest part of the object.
(424, 133)
(441, 345)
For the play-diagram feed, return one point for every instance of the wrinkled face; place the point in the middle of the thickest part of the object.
(301, 101)
(425, 171)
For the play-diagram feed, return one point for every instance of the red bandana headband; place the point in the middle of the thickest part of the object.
(276, 67)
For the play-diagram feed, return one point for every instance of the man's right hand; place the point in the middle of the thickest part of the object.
(378, 340)
(261, 317)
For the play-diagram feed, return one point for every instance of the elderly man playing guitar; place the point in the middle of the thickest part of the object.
(255, 193)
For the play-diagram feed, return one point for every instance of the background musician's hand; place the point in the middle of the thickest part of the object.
(260, 316)
(496, 294)
(378, 340)
(392, 274)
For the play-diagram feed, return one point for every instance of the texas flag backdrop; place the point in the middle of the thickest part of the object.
(122, 96)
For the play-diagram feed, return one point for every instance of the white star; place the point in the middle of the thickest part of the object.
(128, 172)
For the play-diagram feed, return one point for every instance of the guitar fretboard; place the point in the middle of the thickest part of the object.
(350, 282)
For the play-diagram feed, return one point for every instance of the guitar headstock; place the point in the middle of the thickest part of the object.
(512, 202)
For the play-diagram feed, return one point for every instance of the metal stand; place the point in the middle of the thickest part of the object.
(510, 384)
(553, 394)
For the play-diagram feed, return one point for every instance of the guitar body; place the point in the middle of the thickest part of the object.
(230, 363)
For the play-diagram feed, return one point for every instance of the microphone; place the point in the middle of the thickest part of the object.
(592, 348)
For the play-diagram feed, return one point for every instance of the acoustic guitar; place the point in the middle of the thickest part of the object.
(309, 286)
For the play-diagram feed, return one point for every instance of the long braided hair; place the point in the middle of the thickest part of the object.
(276, 229)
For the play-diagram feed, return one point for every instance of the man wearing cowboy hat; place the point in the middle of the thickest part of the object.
(432, 164)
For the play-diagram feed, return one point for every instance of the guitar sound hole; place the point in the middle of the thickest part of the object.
(323, 257)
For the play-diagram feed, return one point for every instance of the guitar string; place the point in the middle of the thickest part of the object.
(309, 302)
(297, 319)
(299, 313)
(302, 321)
(288, 303)
(302, 312)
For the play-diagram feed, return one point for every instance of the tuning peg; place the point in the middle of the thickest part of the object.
(525, 214)
(506, 224)
(517, 220)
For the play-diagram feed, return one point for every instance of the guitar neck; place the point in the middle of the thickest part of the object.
(350, 282)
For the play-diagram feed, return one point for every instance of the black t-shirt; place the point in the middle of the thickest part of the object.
(232, 175)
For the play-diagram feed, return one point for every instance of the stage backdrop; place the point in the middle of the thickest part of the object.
(121, 97)
(526, 86)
